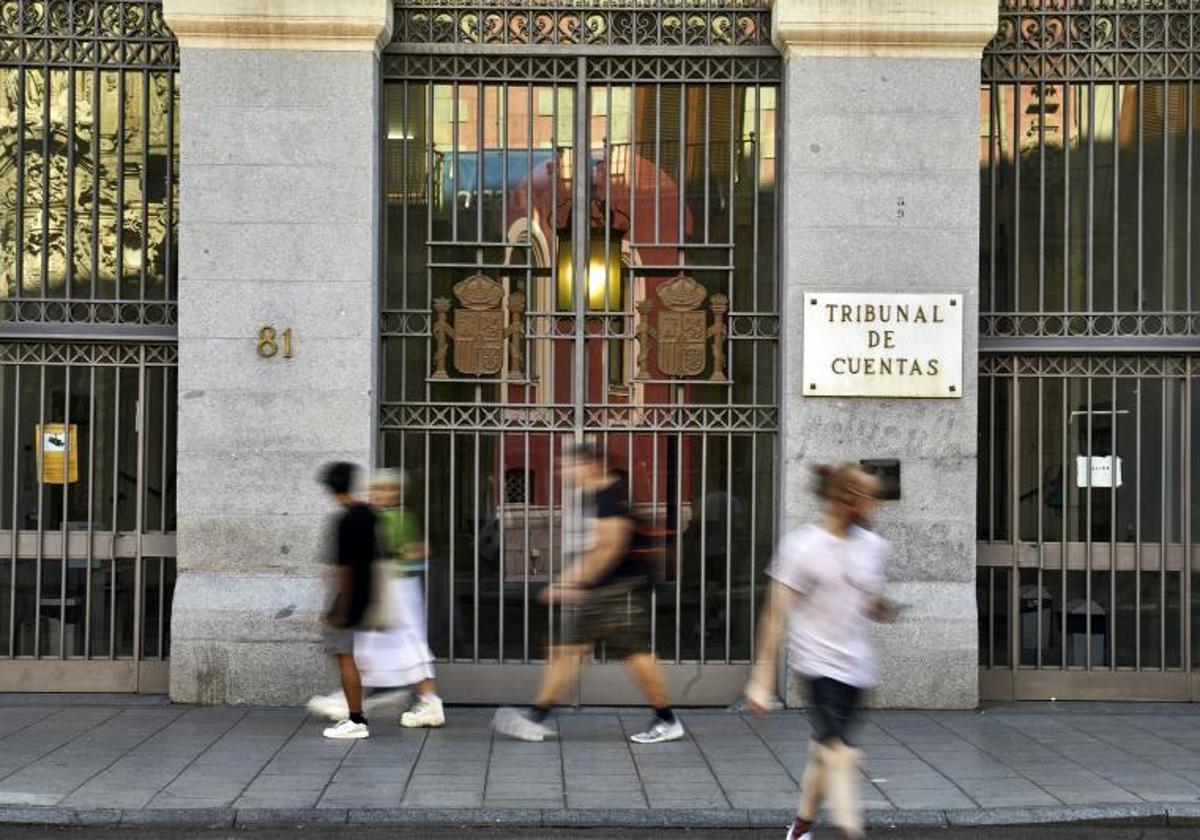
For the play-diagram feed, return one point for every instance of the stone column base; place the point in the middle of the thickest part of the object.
(928, 659)
(248, 640)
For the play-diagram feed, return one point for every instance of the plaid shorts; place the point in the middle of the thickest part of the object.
(617, 614)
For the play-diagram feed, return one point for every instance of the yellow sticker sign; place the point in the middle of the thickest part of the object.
(58, 453)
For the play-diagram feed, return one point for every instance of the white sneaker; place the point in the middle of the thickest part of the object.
(660, 732)
(331, 706)
(384, 701)
(508, 721)
(427, 713)
(791, 835)
(347, 730)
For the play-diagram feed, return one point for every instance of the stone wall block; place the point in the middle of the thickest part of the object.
(322, 366)
(912, 201)
(900, 87)
(278, 136)
(326, 251)
(250, 78)
(218, 310)
(248, 544)
(269, 421)
(873, 142)
(845, 258)
(300, 193)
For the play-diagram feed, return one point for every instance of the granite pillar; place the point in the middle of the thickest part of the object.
(881, 194)
(279, 191)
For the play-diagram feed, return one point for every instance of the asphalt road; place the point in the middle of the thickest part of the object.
(391, 833)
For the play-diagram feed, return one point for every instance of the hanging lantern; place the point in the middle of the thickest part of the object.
(603, 289)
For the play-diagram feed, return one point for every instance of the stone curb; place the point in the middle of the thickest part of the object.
(180, 817)
(1144, 814)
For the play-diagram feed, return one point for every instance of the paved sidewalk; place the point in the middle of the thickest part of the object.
(135, 760)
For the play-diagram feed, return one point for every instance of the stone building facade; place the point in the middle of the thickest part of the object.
(248, 238)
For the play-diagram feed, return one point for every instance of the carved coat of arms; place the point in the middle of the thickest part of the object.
(479, 332)
(682, 331)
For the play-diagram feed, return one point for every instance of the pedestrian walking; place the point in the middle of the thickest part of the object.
(353, 557)
(827, 587)
(397, 654)
(606, 594)
(392, 654)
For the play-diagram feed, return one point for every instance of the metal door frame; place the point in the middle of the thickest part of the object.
(91, 670)
(1003, 676)
(1097, 309)
(560, 45)
(91, 284)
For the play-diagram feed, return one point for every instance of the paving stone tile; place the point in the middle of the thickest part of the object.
(633, 799)
(923, 798)
(1102, 794)
(764, 799)
(442, 799)
(688, 802)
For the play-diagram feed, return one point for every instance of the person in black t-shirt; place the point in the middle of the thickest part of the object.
(353, 556)
(606, 592)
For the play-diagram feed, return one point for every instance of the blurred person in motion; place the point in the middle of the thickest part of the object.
(397, 655)
(607, 593)
(827, 586)
(353, 547)
(392, 654)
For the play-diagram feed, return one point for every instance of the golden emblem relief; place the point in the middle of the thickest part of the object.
(112, 233)
(682, 332)
(482, 333)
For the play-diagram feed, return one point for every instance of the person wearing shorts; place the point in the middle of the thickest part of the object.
(353, 551)
(391, 652)
(827, 587)
(606, 595)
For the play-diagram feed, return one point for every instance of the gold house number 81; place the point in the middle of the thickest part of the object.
(268, 342)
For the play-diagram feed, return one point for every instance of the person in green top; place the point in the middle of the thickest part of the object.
(399, 532)
(397, 653)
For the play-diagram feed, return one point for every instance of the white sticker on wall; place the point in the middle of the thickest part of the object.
(1105, 471)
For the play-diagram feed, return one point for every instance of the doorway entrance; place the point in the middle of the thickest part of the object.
(87, 515)
(587, 255)
(88, 287)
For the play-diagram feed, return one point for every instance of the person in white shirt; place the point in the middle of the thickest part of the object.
(827, 587)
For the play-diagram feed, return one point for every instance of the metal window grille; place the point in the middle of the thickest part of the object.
(89, 169)
(1090, 302)
(511, 171)
(88, 211)
(516, 486)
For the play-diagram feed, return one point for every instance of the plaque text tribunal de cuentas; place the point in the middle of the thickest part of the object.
(882, 345)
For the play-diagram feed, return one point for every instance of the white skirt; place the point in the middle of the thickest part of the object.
(398, 656)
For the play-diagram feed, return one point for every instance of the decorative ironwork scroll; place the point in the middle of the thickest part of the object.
(96, 354)
(481, 334)
(1096, 366)
(1040, 40)
(113, 33)
(682, 332)
(1088, 324)
(758, 67)
(617, 23)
